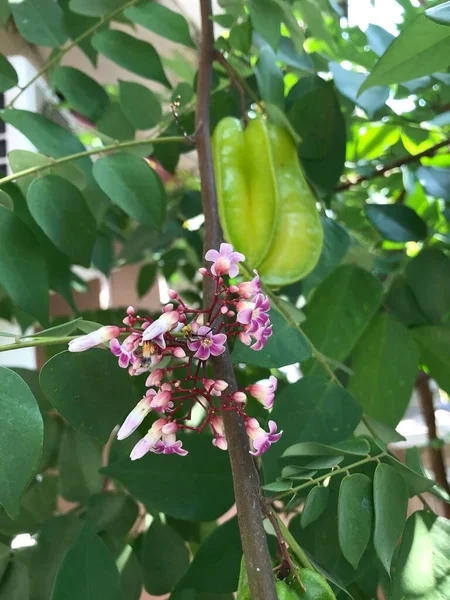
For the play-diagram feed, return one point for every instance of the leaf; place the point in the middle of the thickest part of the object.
(420, 571)
(315, 503)
(59, 330)
(21, 439)
(202, 478)
(311, 410)
(6, 200)
(339, 312)
(439, 14)
(130, 53)
(84, 94)
(23, 272)
(112, 512)
(278, 486)
(400, 301)
(20, 160)
(216, 565)
(15, 585)
(336, 242)
(435, 180)
(434, 345)
(76, 25)
(87, 571)
(416, 482)
(420, 49)
(161, 20)
(40, 22)
(390, 496)
(269, 77)
(384, 364)
(146, 279)
(414, 462)
(266, 21)
(80, 458)
(355, 516)
(384, 433)
(354, 447)
(60, 210)
(378, 38)
(114, 124)
(8, 75)
(88, 389)
(134, 186)
(164, 558)
(428, 275)
(140, 105)
(94, 8)
(285, 347)
(396, 222)
(292, 25)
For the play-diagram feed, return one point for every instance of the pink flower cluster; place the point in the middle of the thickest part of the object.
(182, 339)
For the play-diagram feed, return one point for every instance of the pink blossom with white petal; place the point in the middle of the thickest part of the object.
(225, 261)
(215, 387)
(178, 352)
(148, 442)
(162, 401)
(155, 331)
(261, 335)
(239, 397)
(136, 416)
(248, 289)
(100, 336)
(126, 350)
(255, 315)
(207, 343)
(261, 440)
(219, 440)
(169, 443)
(155, 378)
(264, 391)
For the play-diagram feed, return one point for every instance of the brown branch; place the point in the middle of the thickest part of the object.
(436, 455)
(404, 160)
(245, 477)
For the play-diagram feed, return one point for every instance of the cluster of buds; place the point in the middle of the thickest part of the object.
(174, 350)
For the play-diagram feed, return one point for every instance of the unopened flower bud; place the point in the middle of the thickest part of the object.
(203, 271)
(239, 397)
(130, 311)
(172, 294)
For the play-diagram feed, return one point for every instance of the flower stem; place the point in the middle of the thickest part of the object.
(41, 341)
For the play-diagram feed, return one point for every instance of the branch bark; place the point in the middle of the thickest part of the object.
(245, 477)
(437, 458)
(404, 160)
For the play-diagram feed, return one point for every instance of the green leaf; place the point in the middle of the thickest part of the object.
(40, 22)
(292, 25)
(146, 279)
(53, 429)
(428, 275)
(420, 570)
(94, 8)
(414, 462)
(114, 512)
(354, 447)
(381, 431)
(88, 389)
(420, 49)
(6, 200)
(336, 242)
(140, 105)
(439, 14)
(384, 364)
(23, 272)
(416, 482)
(8, 75)
(84, 94)
(130, 53)
(56, 535)
(396, 222)
(5, 12)
(20, 160)
(15, 585)
(311, 410)
(202, 477)
(60, 210)
(315, 503)
(266, 21)
(434, 345)
(59, 330)
(355, 516)
(269, 78)
(400, 301)
(278, 486)
(76, 25)
(80, 458)
(390, 496)
(164, 559)
(240, 36)
(21, 439)
(87, 571)
(115, 125)
(339, 312)
(216, 565)
(285, 347)
(134, 186)
(161, 20)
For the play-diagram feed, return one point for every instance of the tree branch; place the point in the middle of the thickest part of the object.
(245, 477)
(404, 160)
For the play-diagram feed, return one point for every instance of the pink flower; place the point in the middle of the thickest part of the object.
(261, 335)
(136, 416)
(248, 289)
(100, 336)
(178, 352)
(125, 351)
(255, 314)
(225, 260)
(148, 442)
(155, 331)
(169, 444)
(264, 392)
(261, 440)
(163, 399)
(207, 343)
(155, 378)
(215, 388)
(218, 430)
(239, 397)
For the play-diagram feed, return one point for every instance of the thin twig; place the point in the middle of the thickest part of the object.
(245, 477)
(404, 160)
(293, 545)
(37, 342)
